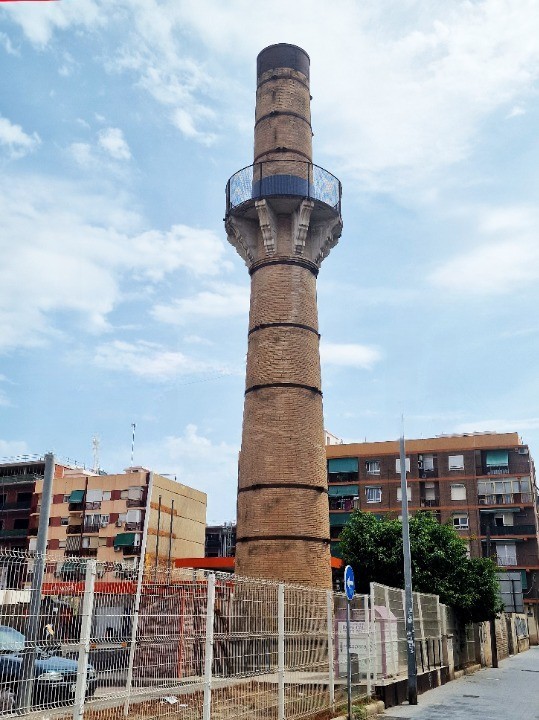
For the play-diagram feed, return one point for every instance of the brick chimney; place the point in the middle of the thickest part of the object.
(283, 217)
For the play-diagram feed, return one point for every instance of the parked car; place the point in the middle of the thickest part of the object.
(55, 677)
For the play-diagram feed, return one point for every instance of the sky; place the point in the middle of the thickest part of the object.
(121, 301)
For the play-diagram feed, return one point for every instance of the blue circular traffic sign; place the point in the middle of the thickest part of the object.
(349, 582)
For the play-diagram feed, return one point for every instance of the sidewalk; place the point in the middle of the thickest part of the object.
(510, 692)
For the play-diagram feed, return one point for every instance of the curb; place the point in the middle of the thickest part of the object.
(467, 671)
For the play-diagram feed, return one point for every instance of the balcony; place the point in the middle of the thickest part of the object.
(283, 178)
(497, 470)
(136, 502)
(14, 533)
(424, 503)
(344, 503)
(23, 479)
(506, 499)
(93, 505)
(501, 530)
(74, 529)
(132, 526)
(133, 550)
(24, 505)
(506, 561)
(92, 527)
(88, 552)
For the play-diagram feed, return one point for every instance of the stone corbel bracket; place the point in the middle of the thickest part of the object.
(242, 234)
(300, 225)
(324, 236)
(268, 225)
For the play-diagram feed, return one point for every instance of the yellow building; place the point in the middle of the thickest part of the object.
(108, 517)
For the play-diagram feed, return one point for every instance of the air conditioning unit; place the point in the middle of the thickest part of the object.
(104, 523)
(522, 450)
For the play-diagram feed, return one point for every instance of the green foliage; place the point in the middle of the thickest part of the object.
(373, 547)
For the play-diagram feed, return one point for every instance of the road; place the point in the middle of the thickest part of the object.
(510, 692)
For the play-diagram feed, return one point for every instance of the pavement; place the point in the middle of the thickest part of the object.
(510, 692)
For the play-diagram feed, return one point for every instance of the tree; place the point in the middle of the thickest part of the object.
(373, 546)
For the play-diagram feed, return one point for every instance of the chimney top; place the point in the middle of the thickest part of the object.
(282, 55)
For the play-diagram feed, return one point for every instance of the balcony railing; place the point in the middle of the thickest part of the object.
(505, 499)
(88, 552)
(347, 504)
(93, 505)
(509, 530)
(133, 550)
(281, 178)
(74, 529)
(497, 470)
(24, 505)
(136, 502)
(23, 479)
(429, 503)
(506, 561)
(134, 526)
(15, 533)
(92, 527)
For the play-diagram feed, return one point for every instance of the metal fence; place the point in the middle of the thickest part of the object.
(188, 644)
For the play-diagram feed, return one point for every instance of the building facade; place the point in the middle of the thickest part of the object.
(220, 540)
(481, 483)
(104, 516)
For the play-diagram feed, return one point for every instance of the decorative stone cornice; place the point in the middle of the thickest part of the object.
(242, 234)
(324, 236)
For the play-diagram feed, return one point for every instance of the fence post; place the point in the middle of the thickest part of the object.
(372, 634)
(85, 633)
(280, 651)
(208, 647)
(331, 651)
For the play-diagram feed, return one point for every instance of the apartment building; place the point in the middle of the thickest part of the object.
(220, 540)
(104, 516)
(482, 483)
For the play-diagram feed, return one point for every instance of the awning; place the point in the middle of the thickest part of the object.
(343, 490)
(339, 519)
(497, 458)
(343, 465)
(77, 496)
(124, 540)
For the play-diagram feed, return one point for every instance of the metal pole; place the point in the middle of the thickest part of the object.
(136, 606)
(26, 684)
(492, 623)
(85, 633)
(409, 601)
(170, 535)
(133, 428)
(208, 648)
(280, 651)
(348, 662)
(331, 651)
(157, 538)
(369, 645)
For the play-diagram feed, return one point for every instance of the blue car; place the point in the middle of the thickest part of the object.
(55, 677)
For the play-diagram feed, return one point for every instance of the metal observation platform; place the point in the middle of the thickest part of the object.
(288, 181)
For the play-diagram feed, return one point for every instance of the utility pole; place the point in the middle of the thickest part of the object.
(492, 621)
(408, 596)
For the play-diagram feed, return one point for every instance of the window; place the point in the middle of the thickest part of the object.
(458, 492)
(21, 524)
(66, 498)
(506, 553)
(372, 467)
(398, 465)
(104, 520)
(64, 521)
(430, 491)
(62, 543)
(408, 493)
(460, 521)
(106, 495)
(426, 463)
(503, 519)
(94, 496)
(374, 494)
(124, 494)
(456, 462)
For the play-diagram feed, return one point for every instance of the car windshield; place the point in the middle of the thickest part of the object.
(10, 639)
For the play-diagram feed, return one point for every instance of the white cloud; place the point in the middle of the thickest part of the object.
(196, 460)
(113, 142)
(221, 301)
(82, 154)
(498, 425)
(506, 259)
(148, 360)
(15, 139)
(87, 245)
(12, 448)
(349, 355)
(6, 43)
(48, 17)
(516, 111)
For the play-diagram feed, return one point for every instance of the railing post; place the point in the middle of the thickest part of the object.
(85, 633)
(369, 644)
(331, 651)
(280, 652)
(208, 647)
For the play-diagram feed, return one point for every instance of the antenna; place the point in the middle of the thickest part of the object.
(95, 448)
(133, 427)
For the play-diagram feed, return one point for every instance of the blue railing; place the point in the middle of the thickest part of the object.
(281, 178)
